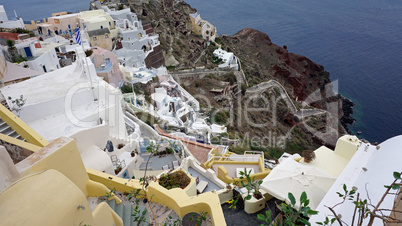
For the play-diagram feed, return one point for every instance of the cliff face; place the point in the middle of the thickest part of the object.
(170, 20)
(262, 60)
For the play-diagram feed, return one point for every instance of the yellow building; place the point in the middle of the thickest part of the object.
(101, 38)
(203, 27)
(97, 19)
(60, 23)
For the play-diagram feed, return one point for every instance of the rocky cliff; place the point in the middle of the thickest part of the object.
(307, 83)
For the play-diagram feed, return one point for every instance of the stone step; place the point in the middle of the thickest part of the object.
(127, 218)
(119, 209)
(112, 203)
(163, 217)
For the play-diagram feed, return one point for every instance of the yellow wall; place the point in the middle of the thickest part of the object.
(196, 27)
(223, 175)
(104, 215)
(47, 198)
(346, 146)
(176, 199)
(102, 41)
(62, 155)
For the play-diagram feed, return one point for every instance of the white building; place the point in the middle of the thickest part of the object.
(368, 171)
(10, 24)
(136, 75)
(228, 58)
(137, 45)
(44, 57)
(172, 109)
(62, 102)
(41, 56)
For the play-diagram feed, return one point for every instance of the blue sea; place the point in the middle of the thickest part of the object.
(358, 42)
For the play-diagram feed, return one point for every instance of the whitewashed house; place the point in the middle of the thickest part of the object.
(10, 24)
(228, 58)
(136, 44)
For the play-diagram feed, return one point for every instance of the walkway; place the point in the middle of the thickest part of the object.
(198, 150)
(302, 113)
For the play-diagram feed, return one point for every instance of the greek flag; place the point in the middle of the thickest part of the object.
(78, 35)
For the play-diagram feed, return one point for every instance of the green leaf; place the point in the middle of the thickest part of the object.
(387, 186)
(307, 202)
(304, 221)
(333, 220)
(292, 199)
(344, 187)
(397, 175)
(261, 217)
(303, 197)
(312, 212)
(396, 186)
(319, 223)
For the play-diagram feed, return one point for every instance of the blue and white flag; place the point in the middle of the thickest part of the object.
(78, 35)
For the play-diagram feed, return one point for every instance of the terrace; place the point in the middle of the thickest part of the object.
(211, 185)
(228, 165)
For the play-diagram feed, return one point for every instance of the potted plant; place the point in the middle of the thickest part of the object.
(251, 185)
(117, 170)
(308, 155)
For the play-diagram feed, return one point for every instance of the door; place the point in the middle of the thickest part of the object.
(28, 51)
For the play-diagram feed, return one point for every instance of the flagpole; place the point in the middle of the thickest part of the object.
(86, 61)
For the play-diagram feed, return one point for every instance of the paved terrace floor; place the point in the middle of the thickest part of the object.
(211, 185)
(157, 163)
(198, 150)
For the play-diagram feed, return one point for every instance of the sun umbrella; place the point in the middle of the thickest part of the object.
(291, 176)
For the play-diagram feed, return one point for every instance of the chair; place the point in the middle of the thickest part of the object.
(165, 167)
(201, 186)
(175, 164)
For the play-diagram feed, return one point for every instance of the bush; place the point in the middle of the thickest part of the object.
(174, 180)
(221, 118)
(243, 88)
(230, 77)
(126, 89)
(147, 118)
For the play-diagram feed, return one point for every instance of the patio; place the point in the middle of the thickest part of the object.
(156, 162)
(211, 185)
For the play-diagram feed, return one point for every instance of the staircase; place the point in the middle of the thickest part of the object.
(124, 210)
(7, 130)
(162, 214)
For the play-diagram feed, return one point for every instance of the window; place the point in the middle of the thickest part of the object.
(139, 35)
(106, 36)
(94, 38)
